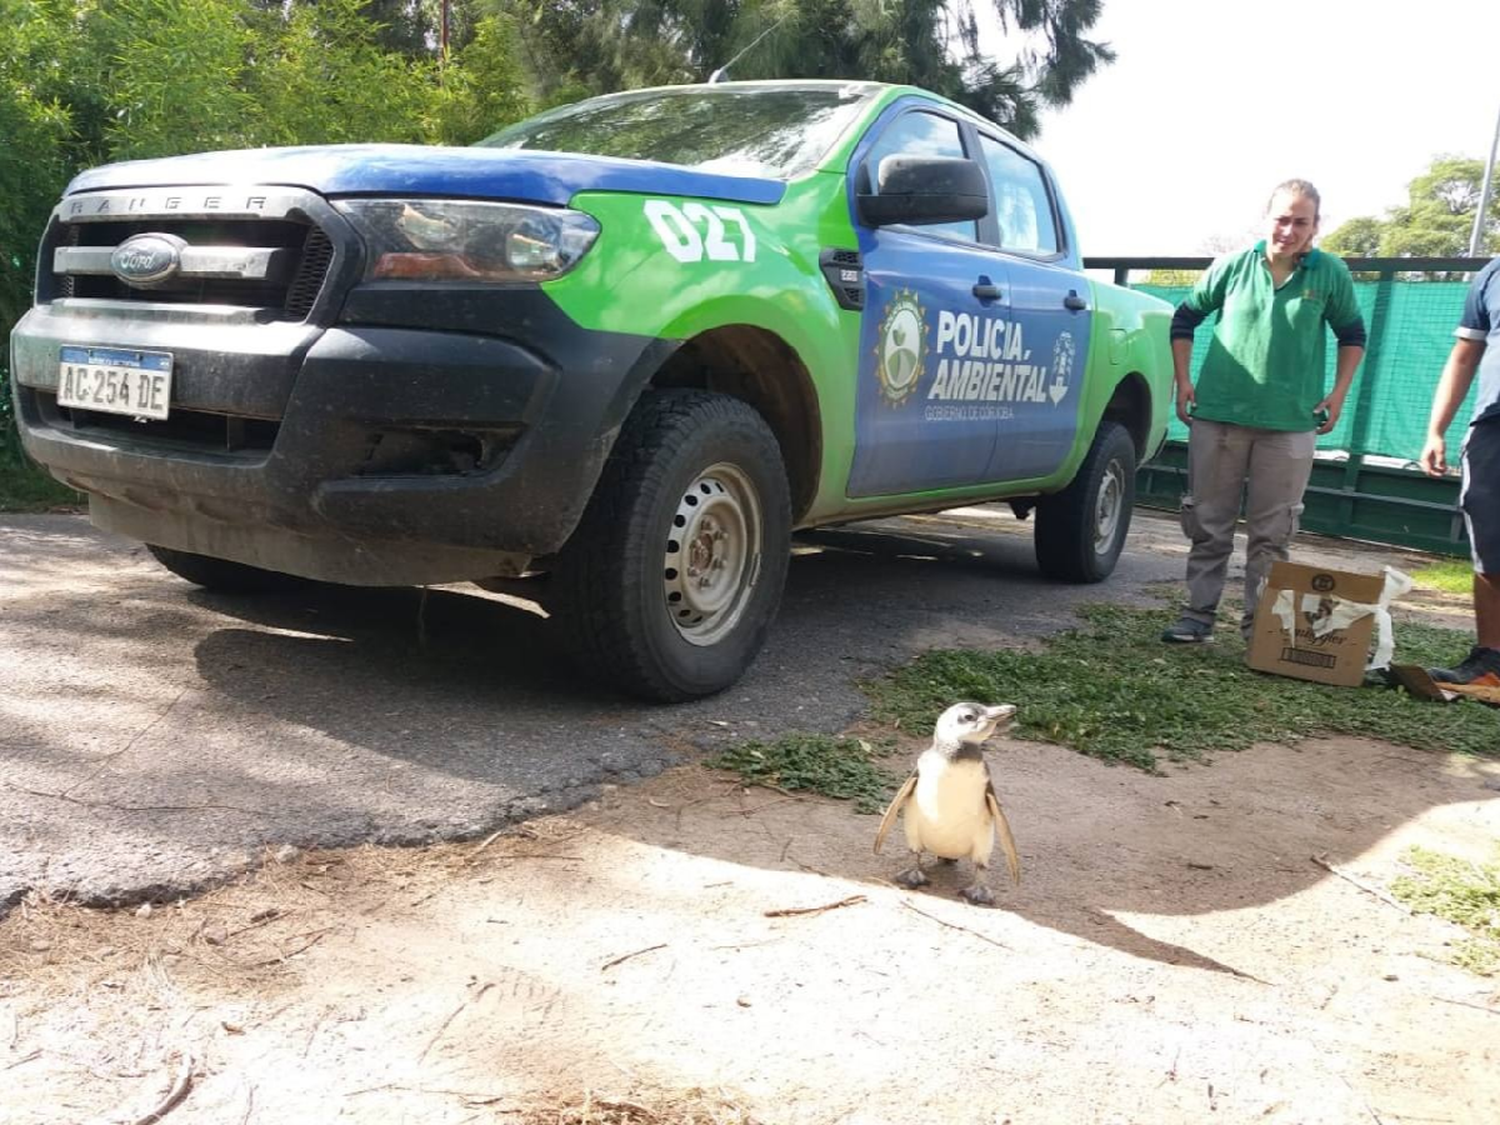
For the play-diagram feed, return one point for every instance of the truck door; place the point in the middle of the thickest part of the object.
(933, 299)
(1047, 340)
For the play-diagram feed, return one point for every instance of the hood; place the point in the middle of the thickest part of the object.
(480, 173)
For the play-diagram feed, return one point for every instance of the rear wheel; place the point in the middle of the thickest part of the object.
(670, 582)
(1081, 530)
(220, 575)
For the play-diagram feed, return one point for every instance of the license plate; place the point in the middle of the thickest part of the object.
(115, 381)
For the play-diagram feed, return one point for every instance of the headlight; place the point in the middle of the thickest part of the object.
(453, 240)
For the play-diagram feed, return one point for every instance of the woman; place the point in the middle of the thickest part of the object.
(1260, 402)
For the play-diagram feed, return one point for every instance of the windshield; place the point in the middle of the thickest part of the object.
(772, 131)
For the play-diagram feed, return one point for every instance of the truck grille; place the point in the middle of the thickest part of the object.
(261, 251)
(186, 429)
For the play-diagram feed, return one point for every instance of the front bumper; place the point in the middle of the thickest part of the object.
(371, 434)
(357, 453)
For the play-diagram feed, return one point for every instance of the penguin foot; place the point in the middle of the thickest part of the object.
(978, 894)
(913, 877)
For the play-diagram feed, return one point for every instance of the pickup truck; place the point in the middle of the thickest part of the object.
(629, 345)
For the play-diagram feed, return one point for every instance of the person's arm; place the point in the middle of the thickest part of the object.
(1182, 355)
(1453, 386)
(1206, 296)
(1348, 326)
(1458, 373)
(1351, 353)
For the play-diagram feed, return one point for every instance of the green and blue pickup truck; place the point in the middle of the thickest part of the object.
(630, 344)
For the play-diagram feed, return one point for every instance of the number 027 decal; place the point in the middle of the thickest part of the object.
(679, 231)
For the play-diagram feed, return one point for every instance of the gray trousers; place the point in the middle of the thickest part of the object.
(1271, 468)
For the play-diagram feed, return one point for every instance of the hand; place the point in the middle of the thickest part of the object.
(1186, 401)
(1434, 459)
(1330, 407)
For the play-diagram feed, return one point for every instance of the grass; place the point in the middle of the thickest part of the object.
(847, 768)
(1451, 576)
(1112, 690)
(26, 488)
(1461, 892)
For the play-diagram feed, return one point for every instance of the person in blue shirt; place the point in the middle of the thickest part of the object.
(1476, 349)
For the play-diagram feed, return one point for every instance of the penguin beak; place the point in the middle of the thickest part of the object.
(998, 717)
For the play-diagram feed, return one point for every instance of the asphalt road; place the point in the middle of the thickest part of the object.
(155, 739)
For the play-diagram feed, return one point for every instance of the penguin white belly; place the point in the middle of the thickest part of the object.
(946, 815)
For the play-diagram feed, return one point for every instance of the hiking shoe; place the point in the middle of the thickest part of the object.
(1481, 666)
(1189, 631)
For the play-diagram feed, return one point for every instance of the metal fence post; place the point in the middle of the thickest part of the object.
(1369, 379)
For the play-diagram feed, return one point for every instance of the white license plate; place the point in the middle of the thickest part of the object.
(115, 381)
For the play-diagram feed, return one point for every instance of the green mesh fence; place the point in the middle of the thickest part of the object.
(1410, 325)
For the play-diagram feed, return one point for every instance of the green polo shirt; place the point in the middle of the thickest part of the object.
(1267, 360)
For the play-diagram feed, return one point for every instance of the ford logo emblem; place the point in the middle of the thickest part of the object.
(147, 259)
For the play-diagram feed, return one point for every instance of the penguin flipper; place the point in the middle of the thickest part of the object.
(1002, 826)
(892, 809)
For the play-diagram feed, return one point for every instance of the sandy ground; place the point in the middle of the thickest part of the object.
(1215, 944)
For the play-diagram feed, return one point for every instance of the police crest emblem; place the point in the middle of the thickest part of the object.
(901, 347)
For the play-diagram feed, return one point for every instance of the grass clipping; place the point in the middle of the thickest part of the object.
(1113, 690)
(846, 768)
(1458, 891)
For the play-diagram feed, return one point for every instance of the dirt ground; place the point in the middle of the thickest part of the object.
(1215, 944)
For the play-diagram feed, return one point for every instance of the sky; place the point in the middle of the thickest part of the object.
(1211, 103)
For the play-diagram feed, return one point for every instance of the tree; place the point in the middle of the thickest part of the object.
(1357, 238)
(574, 47)
(83, 82)
(1436, 221)
(483, 89)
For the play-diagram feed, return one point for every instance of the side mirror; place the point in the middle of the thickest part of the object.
(926, 189)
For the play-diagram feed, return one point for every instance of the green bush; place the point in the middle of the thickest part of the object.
(84, 82)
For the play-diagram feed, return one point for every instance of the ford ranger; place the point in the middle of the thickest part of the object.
(630, 344)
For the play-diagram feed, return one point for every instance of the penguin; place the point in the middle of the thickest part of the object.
(951, 807)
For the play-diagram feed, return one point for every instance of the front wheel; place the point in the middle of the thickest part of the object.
(670, 582)
(1081, 530)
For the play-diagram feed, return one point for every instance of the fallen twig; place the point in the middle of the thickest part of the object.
(753, 809)
(174, 1094)
(1364, 1100)
(789, 911)
(1466, 1004)
(108, 758)
(313, 1032)
(132, 808)
(303, 948)
(486, 842)
(261, 918)
(438, 1034)
(628, 956)
(955, 926)
(541, 855)
(1322, 861)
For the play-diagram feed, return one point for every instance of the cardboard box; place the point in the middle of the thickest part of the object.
(1329, 638)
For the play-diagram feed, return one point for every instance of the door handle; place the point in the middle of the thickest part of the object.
(1074, 301)
(987, 290)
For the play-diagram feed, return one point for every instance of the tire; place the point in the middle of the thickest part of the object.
(1081, 530)
(669, 584)
(220, 575)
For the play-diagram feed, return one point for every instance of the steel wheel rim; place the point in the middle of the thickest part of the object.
(1109, 508)
(712, 554)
